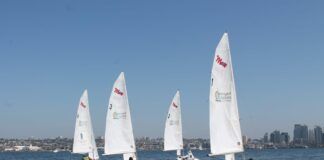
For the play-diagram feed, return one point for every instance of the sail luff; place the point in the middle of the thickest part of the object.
(225, 132)
(173, 126)
(119, 136)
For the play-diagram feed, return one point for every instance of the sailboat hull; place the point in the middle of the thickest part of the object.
(129, 156)
(230, 156)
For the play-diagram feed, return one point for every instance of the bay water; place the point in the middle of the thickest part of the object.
(265, 154)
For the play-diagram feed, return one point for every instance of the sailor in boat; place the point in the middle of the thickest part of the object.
(189, 156)
(85, 157)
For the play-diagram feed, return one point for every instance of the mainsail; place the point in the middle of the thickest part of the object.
(173, 127)
(119, 138)
(225, 130)
(84, 141)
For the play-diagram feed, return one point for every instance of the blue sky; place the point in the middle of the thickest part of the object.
(50, 51)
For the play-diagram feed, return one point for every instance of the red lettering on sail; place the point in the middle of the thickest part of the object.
(118, 92)
(219, 60)
(174, 105)
(83, 105)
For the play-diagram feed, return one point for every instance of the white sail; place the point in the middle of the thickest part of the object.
(225, 130)
(119, 138)
(84, 141)
(173, 127)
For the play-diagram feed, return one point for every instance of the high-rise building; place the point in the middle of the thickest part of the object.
(322, 138)
(244, 139)
(275, 137)
(272, 137)
(285, 138)
(266, 138)
(305, 134)
(300, 134)
(318, 135)
(311, 137)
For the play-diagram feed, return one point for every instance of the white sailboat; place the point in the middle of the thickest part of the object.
(225, 130)
(84, 141)
(119, 138)
(173, 129)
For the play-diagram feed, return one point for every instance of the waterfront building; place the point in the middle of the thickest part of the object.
(244, 139)
(272, 137)
(265, 138)
(322, 138)
(300, 134)
(318, 135)
(285, 138)
(311, 137)
(275, 137)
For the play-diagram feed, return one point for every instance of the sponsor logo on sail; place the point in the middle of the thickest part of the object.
(220, 61)
(82, 123)
(174, 105)
(118, 92)
(172, 122)
(83, 105)
(121, 115)
(223, 96)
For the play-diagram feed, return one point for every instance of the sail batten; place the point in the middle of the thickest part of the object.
(119, 138)
(84, 141)
(225, 130)
(173, 126)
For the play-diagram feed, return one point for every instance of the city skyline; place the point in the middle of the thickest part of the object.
(51, 51)
(303, 137)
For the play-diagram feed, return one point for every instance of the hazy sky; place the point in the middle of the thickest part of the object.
(50, 51)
